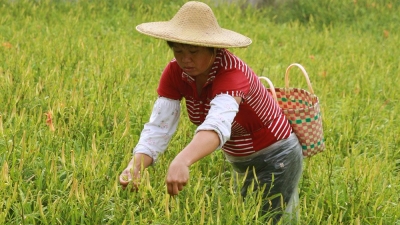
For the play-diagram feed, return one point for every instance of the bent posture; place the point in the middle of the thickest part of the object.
(232, 109)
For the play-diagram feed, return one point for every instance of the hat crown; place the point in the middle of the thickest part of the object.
(196, 17)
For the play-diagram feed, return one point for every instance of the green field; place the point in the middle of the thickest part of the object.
(84, 63)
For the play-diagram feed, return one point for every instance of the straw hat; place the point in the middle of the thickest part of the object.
(194, 24)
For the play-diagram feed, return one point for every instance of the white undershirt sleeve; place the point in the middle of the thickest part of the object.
(157, 133)
(220, 117)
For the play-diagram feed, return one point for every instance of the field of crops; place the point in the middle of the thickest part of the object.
(77, 83)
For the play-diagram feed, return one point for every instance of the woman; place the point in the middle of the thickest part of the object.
(228, 103)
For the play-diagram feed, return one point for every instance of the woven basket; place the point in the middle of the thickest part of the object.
(302, 109)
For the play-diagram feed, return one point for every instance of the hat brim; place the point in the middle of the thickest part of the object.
(222, 38)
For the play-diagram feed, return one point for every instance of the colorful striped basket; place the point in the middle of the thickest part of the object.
(302, 109)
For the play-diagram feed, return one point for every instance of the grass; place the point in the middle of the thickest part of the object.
(83, 62)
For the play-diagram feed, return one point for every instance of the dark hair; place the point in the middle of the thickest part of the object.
(171, 44)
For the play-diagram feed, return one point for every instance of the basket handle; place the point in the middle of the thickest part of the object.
(305, 75)
(272, 88)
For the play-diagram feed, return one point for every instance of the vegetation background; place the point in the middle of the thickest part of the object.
(77, 83)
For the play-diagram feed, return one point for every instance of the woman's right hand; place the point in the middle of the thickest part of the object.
(131, 174)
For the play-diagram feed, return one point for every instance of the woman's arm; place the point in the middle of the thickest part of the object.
(153, 140)
(203, 143)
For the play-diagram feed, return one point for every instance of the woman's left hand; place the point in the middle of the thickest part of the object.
(203, 143)
(177, 177)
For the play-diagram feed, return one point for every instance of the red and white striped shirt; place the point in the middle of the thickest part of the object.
(259, 122)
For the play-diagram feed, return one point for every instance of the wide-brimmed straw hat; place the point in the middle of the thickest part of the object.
(195, 24)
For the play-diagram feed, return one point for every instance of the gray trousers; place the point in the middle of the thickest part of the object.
(275, 170)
